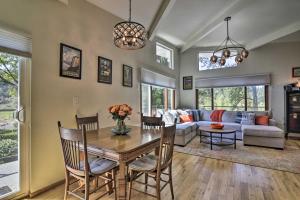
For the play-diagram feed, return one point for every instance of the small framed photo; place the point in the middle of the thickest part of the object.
(127, 76)
(187, 82)
(104, 70)
(70, 61)
(296, 72)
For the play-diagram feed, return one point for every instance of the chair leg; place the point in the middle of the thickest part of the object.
(130, 184)
(146, 181)
(114, 182)
(171, 181)
(87, 188)
(158, 187)
(66, 185)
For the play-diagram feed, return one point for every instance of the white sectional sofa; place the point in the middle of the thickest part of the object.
(258, 135)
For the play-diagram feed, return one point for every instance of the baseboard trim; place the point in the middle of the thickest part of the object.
(49, 187)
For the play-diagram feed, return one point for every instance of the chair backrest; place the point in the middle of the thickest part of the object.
(73, 142)
(91, 123)
(151, 122)
(166, 147)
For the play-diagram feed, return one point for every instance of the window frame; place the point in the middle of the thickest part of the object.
(171, 66)
(166, 98)
(211, 52)
(266, 97)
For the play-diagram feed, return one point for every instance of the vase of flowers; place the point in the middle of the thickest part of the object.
(119, 114)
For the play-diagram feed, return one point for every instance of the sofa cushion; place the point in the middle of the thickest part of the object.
(248, 119)
(205, 115)
(262, 131)
(183, 129)
(239, 116)
(196, 114)
(229, 116)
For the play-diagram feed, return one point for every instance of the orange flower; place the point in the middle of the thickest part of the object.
(122, 113)
(109, 109)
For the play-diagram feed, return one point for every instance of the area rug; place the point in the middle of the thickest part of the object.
(285, 160)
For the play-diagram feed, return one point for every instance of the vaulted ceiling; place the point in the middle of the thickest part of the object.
(199, 23)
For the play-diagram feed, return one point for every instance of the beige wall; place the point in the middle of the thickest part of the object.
(276, 59)
(89, 28)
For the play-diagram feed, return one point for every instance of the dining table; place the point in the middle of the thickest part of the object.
(122, 148)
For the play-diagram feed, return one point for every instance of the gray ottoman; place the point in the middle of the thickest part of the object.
(266, 136)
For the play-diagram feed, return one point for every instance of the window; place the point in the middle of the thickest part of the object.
(205, 64)
(256, 98)
(156, 98)
(206, 98)
(229, 98)
(164, 55)
(243, 98)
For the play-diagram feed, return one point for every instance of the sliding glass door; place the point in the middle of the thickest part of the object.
(155, 99)
(14, 131)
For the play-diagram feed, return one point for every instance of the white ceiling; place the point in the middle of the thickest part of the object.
(199, 23)
(254, 22)
(143, 11)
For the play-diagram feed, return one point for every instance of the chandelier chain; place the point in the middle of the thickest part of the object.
(129, 11)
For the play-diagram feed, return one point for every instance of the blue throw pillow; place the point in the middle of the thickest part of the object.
(239, 116)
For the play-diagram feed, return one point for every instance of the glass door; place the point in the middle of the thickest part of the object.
(13, 129)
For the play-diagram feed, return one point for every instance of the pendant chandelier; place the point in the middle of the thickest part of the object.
(129, 35)
(229, 48)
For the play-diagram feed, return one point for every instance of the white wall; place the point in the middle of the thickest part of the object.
(89, 28)
(275, 58)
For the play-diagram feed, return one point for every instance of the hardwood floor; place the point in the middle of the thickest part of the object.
(204, 178)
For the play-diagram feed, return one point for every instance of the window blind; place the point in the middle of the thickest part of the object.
(154, 78)
(15, 43)
(257, 79)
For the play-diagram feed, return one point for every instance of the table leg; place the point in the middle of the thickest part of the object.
(221, 137)
(122, 181)
(211, 142)
(234, 140)
(200, 136)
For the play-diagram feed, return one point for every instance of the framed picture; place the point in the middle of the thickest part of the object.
(104, 70)
(70, 61)
(187, 82)
(127, 76)
(296, 72)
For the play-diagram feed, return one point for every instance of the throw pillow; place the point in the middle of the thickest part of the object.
(186, 118)
(168, 118)
(239, 116)
(248, 119)
(262, 120)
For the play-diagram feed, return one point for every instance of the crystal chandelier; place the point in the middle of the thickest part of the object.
(237, 50)
(129, 35)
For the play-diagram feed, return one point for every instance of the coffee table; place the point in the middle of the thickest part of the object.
(217, 140)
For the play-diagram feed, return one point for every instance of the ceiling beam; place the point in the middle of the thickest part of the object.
(286, 30)
(163, 11)
(214, 23)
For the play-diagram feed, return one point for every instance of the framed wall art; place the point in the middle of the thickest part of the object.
(127, 76)
(296, 72)
(70, 61)
(188, 82)
(104, 70)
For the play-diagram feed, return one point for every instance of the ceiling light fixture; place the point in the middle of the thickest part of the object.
(129, 35)
(229, 48)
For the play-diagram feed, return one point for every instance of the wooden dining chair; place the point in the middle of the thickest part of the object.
(154, 166)
(91, 123)
(84, 169)
(151, 122)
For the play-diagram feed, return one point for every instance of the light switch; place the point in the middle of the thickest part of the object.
(75, 100)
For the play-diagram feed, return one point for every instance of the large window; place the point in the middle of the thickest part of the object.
(205, 64)
(156, 98)
(243, 98)
(164, 55)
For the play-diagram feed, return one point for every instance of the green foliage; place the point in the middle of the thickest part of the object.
(8, 134)
(157, 97)
(8, 148)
